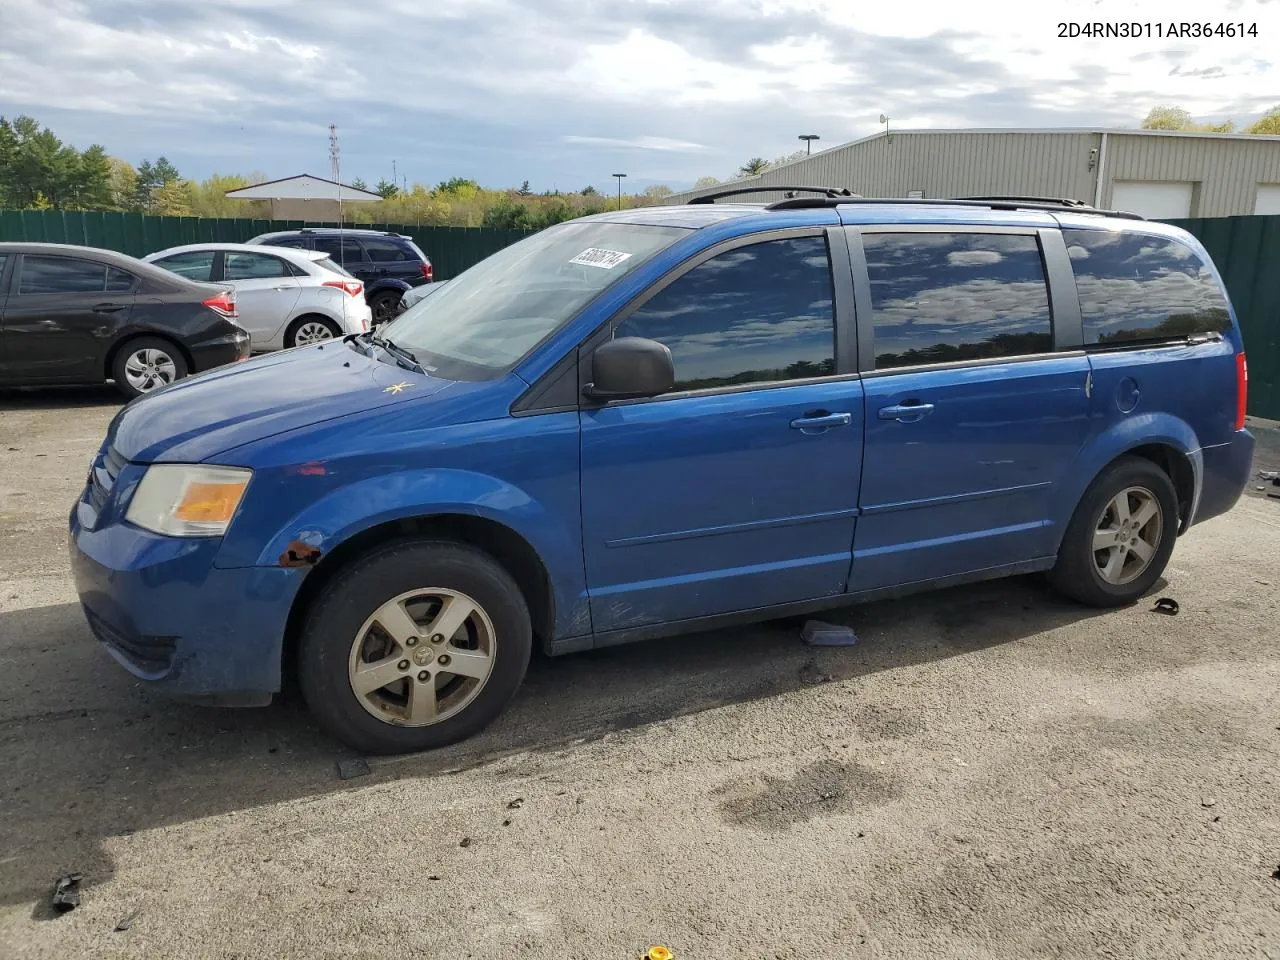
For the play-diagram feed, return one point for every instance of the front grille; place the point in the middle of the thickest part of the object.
(152, 654)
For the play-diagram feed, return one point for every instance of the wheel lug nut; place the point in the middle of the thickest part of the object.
(424, 676)
(443, 660)
(403, 665)
(437, 638)
(411, 641)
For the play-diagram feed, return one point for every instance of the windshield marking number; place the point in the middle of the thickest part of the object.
(596, 257)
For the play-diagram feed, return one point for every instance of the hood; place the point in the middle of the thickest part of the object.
(201, 416)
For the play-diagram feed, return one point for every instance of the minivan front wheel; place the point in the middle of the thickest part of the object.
(1120, 537)
(417, 645)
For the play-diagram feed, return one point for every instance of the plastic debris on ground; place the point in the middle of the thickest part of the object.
(127, 922)
(66, 892)
(818, 634)
(352, 768)
(1166, 605)
(657, 953)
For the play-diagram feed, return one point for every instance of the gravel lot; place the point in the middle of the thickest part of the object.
(990, 773)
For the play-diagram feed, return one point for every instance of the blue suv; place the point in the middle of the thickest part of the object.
(662, 420)
(389, 264)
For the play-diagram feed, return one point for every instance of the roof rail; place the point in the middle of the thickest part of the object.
(828, 192)
(1057, 201)
(994, 203)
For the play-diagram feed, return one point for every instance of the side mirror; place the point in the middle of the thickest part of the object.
(630, 367)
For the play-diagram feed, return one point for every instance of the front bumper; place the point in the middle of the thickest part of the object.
(1227, 467)
(174, 620)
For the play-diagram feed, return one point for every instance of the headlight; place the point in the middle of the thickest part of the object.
(179, 500)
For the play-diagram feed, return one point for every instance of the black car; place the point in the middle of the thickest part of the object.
(388, 263)
(82, 315)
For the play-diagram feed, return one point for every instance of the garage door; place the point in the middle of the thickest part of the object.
(1268, 199)
(1153, 199)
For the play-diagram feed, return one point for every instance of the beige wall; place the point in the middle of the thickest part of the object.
(1224, 170)
(321, 211)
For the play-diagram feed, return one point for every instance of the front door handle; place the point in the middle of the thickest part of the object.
(818, 423)
(107, 307)
(281, 289)
(906, 412)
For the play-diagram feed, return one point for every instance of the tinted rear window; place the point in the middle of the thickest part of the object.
(385, 251)
(1138, 288)
(944, 297)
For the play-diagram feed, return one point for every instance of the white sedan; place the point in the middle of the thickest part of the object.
(285, 297)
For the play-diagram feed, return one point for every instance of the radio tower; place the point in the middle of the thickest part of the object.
(335, 169)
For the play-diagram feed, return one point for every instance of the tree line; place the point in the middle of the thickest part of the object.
(38, 171)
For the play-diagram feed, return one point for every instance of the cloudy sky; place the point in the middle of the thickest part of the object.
(565, 92)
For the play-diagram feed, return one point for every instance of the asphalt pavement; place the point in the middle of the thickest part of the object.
(991, 772)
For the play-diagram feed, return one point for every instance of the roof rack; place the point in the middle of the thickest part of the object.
(1056, 201)
(991, 203)
(827, 192)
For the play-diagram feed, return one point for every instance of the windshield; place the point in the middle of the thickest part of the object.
(487, 318)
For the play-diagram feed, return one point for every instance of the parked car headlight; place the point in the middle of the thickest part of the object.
(181, 500)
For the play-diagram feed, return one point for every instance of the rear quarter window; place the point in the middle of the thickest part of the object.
(1136, 288)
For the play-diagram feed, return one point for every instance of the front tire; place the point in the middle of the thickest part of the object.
(417, 645)
(1121, 536)
(146, 364)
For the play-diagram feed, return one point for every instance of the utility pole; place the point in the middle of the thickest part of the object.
(335, 171)
(619, 176)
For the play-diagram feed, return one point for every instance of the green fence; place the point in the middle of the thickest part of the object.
(1246, 250)
(451, 249)
(1247, 253)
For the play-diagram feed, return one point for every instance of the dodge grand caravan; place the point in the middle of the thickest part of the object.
(662, 420)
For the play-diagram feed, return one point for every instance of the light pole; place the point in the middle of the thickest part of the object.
(808, 139)
(619, 176)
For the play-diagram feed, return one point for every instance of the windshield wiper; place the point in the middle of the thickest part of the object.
(404, 358)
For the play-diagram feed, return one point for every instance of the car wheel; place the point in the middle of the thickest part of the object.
(1120, 537)
(384, 306)
(417, 645)
(146, 364)
(307, 330)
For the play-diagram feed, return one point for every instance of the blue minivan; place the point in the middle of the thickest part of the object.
(663, 420)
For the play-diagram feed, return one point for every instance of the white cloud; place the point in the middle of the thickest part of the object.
(639, 143)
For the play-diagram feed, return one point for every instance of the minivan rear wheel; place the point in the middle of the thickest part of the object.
(417, 645)
(1121, 536)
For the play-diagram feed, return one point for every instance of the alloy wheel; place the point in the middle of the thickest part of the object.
(422, 657)
(1127, 535)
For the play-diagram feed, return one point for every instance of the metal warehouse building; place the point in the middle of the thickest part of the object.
(1159, 174)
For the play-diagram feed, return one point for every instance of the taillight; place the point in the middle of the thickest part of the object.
(426, 270)
(352, 288)
(224, 304)
(1242, 389)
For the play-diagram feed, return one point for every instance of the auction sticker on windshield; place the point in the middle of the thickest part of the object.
(605, 259)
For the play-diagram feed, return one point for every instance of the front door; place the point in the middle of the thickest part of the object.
(739, 490)
(60, 315)
(348, 254)
(972, 418)
(266, 293)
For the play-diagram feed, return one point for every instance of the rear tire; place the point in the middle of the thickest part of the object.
(384, 306)
(416, 645)
(145, 364)
(311, 329)
(1121, 536)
